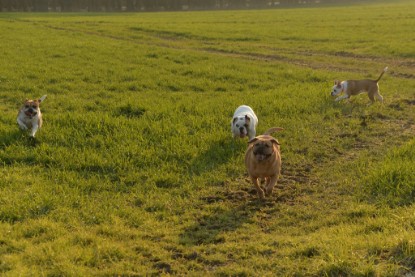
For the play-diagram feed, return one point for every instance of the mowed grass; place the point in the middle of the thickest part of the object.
(135, 171)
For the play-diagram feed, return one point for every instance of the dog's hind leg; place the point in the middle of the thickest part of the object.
(259, 190)
(371, 95)
(379, 97)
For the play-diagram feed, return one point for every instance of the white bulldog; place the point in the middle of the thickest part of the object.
(244, 122)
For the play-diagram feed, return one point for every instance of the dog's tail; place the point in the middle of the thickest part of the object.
(381, 74)
(272, 130)
(41, 99)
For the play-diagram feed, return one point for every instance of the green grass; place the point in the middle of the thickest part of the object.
(135, 171)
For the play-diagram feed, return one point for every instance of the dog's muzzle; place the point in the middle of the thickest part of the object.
(336, 92)
(31, 112)
(261, 156)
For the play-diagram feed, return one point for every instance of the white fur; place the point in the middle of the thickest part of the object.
(240, 126)
(355, 87)
(32, 122)
(337, 91)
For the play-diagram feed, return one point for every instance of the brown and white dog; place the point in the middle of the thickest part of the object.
(30, 117)
(355, 87)
(263, 161)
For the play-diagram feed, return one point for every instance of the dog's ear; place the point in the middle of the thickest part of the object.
(339, 85)
(274, 140)
(234, 120)
(252, 140)
(247, 119)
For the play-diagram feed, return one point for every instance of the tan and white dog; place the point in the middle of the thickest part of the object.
(263, 161)
(29, 116)
(355, 87)
(244, 122)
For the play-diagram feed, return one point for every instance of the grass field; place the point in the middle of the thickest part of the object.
(135, 171)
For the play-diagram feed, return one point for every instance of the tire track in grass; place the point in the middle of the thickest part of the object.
(400, 68)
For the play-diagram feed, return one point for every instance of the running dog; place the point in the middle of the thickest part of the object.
(355, 87)
(244, 122)
(29, 116)
(263, 161)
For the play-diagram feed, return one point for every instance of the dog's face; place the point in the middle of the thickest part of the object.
(337, 88)
(240, 125)
(263, 147)
(31, 107)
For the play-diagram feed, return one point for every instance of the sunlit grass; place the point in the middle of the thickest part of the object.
(135, 170)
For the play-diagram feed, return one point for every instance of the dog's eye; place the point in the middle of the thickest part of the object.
(27, 106)
(237, 125)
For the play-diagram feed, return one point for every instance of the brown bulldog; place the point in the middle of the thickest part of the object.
(263, 161)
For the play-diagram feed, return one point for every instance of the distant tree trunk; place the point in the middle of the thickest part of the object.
(139, 5)
(53, 5)
(94, 5)
(41, 5)
(129, 5)
(65, 5)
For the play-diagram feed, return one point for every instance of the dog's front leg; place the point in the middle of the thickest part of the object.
(345, 96)
(34, 130)
(270, 186)
(21, 124)
(258, 187)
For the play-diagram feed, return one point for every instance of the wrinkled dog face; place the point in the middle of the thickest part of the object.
(263, 148)
(337, 88)
(240, 125)
(31, 107)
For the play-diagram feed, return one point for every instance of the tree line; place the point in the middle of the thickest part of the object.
(143, 5)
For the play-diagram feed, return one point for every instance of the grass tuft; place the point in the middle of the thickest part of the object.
(393, 180)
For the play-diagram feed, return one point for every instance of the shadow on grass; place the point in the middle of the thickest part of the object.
(211, 228)
(218, 154)
(17, 138)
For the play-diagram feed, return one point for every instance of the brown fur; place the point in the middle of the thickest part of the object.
(263, 161)
(29, 116)
(355, 87)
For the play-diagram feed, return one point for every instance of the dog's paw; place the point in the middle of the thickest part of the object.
(261, 194)
(268, 192)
